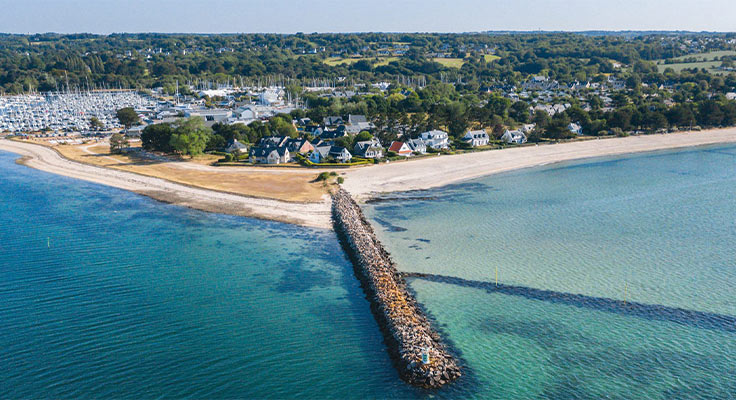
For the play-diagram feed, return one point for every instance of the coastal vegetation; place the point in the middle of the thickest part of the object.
(454, 82)
(128, 117)
(118, 142)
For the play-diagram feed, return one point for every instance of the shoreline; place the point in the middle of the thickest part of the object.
(431, 172)
(315, 215)
(364, 182)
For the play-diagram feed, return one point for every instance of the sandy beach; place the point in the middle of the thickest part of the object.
(443, 170)
(316, 214)
(361, 182)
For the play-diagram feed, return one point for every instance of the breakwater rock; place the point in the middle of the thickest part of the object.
(416, 349)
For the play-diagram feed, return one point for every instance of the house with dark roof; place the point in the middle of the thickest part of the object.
(324, 151)
(327, 135)
(417, 146)
(476, 138)
(272, 141)
(270, 155)
(333, 121)
(234, 146)
(340, 154)
(368, 149)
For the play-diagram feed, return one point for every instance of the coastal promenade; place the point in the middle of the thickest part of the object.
(415, 348)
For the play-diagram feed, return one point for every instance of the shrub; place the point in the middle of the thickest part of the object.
(340, 180)
(323, 176)
(333, 173)
(619, 132)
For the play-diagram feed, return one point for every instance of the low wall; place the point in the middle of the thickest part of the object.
(406, 329)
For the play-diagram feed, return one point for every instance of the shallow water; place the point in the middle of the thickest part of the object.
(656, 229)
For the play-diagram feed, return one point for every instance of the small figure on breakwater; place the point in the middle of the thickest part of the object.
(417, 350)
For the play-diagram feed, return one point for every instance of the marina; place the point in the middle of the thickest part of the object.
(56, 113)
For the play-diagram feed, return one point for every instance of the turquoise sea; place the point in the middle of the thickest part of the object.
(107, 294)
(568, 243)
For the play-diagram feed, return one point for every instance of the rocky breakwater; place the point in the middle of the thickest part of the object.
(416, 349)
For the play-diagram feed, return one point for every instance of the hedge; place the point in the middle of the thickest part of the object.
(308, 163)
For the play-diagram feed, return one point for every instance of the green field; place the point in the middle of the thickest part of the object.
(705, 60)
(711, 66)
(459, 62)
(450, 62)
(704, 56)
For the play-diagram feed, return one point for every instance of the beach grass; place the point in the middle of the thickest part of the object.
(279, 184)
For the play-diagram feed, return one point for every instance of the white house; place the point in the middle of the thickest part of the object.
(340, 154)
(417, 146)
(575, 128)
(400, 148)
(527, 128)
(270, 155)
(476, 138)
(369, 149)
(436, 139)
(517, 137)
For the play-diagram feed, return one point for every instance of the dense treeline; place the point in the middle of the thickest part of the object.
(49, 62)
(469, 96)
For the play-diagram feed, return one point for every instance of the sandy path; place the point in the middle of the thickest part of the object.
(443, 170)
(46, 159)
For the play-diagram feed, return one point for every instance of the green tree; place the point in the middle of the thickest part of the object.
(362, 137)
(157, 137)
(281, 125)
(118, 142)
(215, 142)
(519, 111)
(557, 128)
(344, 141)
(128, 117)
(190, 136)
(96, 124)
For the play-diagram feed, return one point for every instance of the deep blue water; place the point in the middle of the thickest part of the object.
(107, 294)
